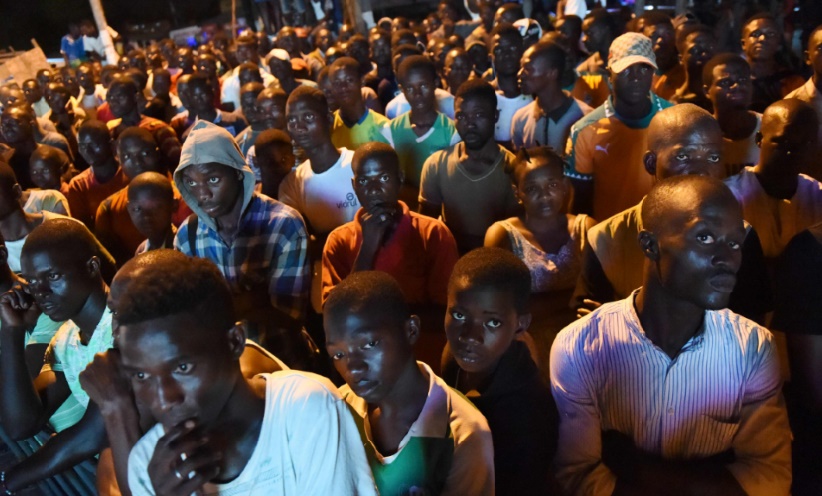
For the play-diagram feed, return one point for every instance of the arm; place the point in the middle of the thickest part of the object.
(580, 170)
(375, 223)
(583, 196)
(290, 275)
(472, 469)
(34, 358)
(337, 260)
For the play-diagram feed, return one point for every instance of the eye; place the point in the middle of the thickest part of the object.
(370, 344)
(361, 181)
(184, 368)
(681, 156)
(457, 315)
(705, 239)
(713, 159)
(213, 180)
(734, 245)
(190, 183)
(139, 376)
(493, 323)
(384, 178)
(53, 277)
(337, 356)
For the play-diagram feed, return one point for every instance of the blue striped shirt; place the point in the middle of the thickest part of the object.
(721, 392)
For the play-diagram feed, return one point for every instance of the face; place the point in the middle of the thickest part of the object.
(149, 213)
(731, 86)
(381, 50)
(280, 69)
(70, 80)
(358, 50)
(486, 12)
(43, 78)
(185, 60)
(207, 65)
(507, 54)
(85, 78)
(287, 40)
(94, 147)
(369, 352)
(275, 164)
(216, 187)
(418, 88)
(121, 99)
(44, 175)
(568, 29)
(696, 151)
(457, 70)
(593, 35)
(479, 57)
(138, 156)
(700, 253)
(161, 84)
(760, 39)
(543, 190)
(663, 38)
(58, 98)
(271, 112)
(59, 283)
(307, 126)
(633, 85)
(813, 56)
(699, 48)
(246, 52)
(377, 184)
(475, 121)
(480, 324)
(345, 83)
(786, 143)
(323, 39)
(201, 97)
(32, 91)
(177, 374)
(535, 73)
(16, 126)
(248, 102)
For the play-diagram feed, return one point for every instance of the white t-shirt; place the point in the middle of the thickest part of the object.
(15, 247)
(399, 104)
(308, 445)
(507, 107)
(577, 8)
(326, 200)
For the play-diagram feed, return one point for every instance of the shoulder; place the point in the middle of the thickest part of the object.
(751, 338)
(590, 334)
(81, 180)
(592, 118)
(524, 113)
(625, 222)
(276, 212)
(292, 388)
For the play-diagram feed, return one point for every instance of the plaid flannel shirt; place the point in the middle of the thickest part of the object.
(270, 246)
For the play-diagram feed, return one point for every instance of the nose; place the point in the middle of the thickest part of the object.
(471, 334)
(169, 393)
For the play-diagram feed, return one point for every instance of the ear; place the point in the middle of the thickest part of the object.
(649, 160)
(412, 329)
(649, 245)
(236, 340)
(523, 323)
(759, 139)
(93, 266)
(808, 58)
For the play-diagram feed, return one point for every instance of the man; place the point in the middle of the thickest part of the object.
(247, 51)
(697, 49)
(810, 92)
(287, 40)
(547, 120)
(598, 33)
(382, 78)
(279, 63)
(34, 95)
(201, 101)
(466, 183)
(258, 243)
(682, 140)
(658, 27)
(606, 146)
(487, 9)
(457, 69)
(123, 100)
(760, 43)
(506, 53)
(71, 46)
(726, 79)
(570, 27)
(354, 123)
(649, 388)
(776, 198)
(18, 126)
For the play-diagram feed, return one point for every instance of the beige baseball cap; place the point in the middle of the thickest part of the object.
(630, 49)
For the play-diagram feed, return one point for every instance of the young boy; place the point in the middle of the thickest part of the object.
(354, 123)
(47, 166)
(251, 112)
(274, 155)
(62, 269)
(487, 311)
(420, 435)
(150, 206)
(283, 433)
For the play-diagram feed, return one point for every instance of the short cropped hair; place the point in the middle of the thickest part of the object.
(417, 63)
(368, 291)
(271, 138)
(477, 88)
(726, 58)
(153, 182)
(376, 150)
(173, 283)
(552, 52)
(314, 95)
(66, 235)
(494, 268)
(52, 155)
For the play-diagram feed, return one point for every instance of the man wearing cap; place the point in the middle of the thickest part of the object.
(258, 243)
(605, 148)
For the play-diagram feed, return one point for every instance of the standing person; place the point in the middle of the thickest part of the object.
(810, 92)
(650, 390)
(201, 99)
(598, 33)
(354, 124)
(71, 46)
(697, 49)
(124, 101)
(507, 52)
(382, 78)
(457, 69)
(657, 26)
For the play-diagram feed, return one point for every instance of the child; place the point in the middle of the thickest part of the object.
(487, 313)
(283, 433)
(274, 156)
(150, 206)
(421, 436)
(251, 112)
(47, 167)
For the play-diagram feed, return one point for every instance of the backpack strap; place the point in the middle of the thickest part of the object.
(193, 223)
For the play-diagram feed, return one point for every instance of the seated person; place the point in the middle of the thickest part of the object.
(466, 183)
(772, 80)
(649, 390)
(123, 99)
(682, 140)
(283, 433)
(418, 251)
(77, 295)
(274, 160)
(548, 239)
(47, 168)
(319, 188)
(419, 434)
(547, 120)
(65, 117)
(201, 107)
(354, 124)
(259, 244)
(809, 92)
(487, 362)
(20, 132)
(151, 205)
(605, 147)
(138, 153)
(727, 84)
(776, 198)
(698, 48)
(104, 177)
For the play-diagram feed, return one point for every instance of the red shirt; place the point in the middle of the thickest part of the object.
(85, 193)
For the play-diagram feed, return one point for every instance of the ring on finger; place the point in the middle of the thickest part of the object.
(178, 474)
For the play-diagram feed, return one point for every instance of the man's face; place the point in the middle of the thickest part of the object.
(248, 102)
(59, 283)
(593, 35)
(814, 54)
(247, 52)
(358, 50)
(486, 13)
(249, 76)
(271, 112)
(760, 39)
(176, 373)
(85, 78)
(696, 150)
(287, 40)
(377, 184)
(150, 213)
(275, 164)
(58, 98)
(122, 99)
(475, 121)
(381, 50)
(138, 156)
(480, 324)
(323, 39)
(207, 65)
(185, 60)
(731, 86)
(216, 187)
(507, 54)
(201, 98)
(664, 40)
(16, 126)
(280, 69)
(369, 352)
(306, 124)
(535, 73)
(479, 57)
(70, 80)
(569, 30)
(44, 175)
(345, 83)
(161, 84)
(94, 147)
(786, 143)
(633, 84)
(699, 49)
(418, 88)
(43, 78)
(458, 69)
(700, 253)
(32, 91)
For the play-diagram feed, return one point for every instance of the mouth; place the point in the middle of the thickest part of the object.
(723, 282)
(363, 387)
(209, 207)
(467, 356)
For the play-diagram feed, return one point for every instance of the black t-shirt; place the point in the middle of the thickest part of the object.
(798, 287)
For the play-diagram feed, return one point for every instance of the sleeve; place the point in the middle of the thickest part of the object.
(289, 192)
(762, 445)
(44, 331)
(578, 463)
(429, 180)
(443, 251)
(57, 203)
(79, 206)
(578, 155)
(752, 296)
(326, 447)
(181, 243)
(337, 262)
(138, 459)
(290, 279)
(64, 48)
(472, 469)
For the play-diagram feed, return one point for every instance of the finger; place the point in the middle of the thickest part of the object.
(198, 462)
(188, 485)
(188, 444)
(176, 432)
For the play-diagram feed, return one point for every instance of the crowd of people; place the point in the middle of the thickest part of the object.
(444, 256)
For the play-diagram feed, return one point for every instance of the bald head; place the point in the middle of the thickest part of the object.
(675, 201)
(787, 138)
(684, 139)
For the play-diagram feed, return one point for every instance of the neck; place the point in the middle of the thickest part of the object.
(423, 117)
(236, 431)
(554, 223)
(89, 316)
(323, 156)
(17, 225)
(630, 111)
(509, 84)
(271, 188)
(488, 151)
(408, 395)
(385, 71)
(550, 98)
(25, 147)
(776, 184)
(132, 118)
(762, 67)
(352, 114)
(668, 322)
(105, 172)
(229, 224)
(158, 240)
(733, 120)
(209, 115)
(693, 80)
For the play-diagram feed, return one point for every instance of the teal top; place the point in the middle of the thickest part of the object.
(414, 150)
